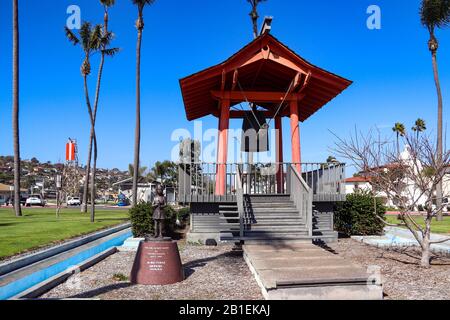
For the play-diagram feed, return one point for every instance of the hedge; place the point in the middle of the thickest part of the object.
(356, 216)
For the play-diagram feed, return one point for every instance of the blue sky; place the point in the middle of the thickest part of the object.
(391, 70)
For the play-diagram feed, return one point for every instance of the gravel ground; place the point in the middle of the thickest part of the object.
(212, 274)
(403, 278)
(220, 274)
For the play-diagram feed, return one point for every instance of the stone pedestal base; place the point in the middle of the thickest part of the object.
(157, 262)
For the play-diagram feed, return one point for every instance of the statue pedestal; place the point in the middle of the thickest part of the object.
(158, 263)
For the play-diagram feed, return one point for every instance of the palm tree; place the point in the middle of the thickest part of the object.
(15, 115)
(436, 14)
(400, 130)
(137, 139)
(91, 41)
(105, 51)
(419, 126)
(141, 171)
(254, 15)
(164, 172)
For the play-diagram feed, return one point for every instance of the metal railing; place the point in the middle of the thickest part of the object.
(198, 181)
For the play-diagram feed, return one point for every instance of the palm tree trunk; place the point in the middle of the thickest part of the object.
(255, 28)
(439, 193)
(137, 139)
(91, 116)
(93, 188)
(91, 138)
(15, 116)
(88, 174)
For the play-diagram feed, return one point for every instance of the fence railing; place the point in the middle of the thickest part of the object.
(198, 181)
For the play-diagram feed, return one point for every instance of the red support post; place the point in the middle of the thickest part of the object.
(279, 153)
(295, 135)
(222, 152)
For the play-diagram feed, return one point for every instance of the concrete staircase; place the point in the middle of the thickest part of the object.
(323, 227)
(267, 218)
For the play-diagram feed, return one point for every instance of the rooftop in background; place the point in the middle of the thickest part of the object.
(6, 188)
(358, 180)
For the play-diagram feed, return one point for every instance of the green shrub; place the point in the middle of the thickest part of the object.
(184, 213)
(356, 216)
(141, 217)
(420, 208)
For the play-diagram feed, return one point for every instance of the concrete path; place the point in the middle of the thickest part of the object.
(308, 272)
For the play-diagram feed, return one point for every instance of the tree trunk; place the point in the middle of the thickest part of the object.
(426, 247)
(91, 138)
(137, 139)
(88, 174)
(91, 116)
(15, 115)
(93, 189)
(439, 192)
(255, 28)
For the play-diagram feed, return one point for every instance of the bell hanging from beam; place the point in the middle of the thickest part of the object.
(255, 132)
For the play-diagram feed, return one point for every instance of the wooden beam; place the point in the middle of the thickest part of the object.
(224, 80)
(255, 96)
(234, 114)
(235, 79)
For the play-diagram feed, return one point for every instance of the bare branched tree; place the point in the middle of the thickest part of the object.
(407, 178)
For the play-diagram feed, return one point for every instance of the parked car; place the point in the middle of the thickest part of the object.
(10, 201)
(2, 200)
(35, 200)
(74, 202)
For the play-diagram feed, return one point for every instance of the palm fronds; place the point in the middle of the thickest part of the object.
(71, 36)
(142, 3)
(435, 14)
(111, 52)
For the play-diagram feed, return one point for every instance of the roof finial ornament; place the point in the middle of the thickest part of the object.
(267, 25)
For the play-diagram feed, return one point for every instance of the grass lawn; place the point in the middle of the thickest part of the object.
(40, 227)
(436, 227)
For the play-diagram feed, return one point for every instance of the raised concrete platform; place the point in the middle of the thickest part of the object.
(308, 272)
(402, 238)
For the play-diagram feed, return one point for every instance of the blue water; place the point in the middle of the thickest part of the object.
(14, 288)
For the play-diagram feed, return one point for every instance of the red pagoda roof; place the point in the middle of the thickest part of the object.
(265, 68)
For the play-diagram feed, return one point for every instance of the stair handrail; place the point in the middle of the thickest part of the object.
(300, 189)
(240, 200)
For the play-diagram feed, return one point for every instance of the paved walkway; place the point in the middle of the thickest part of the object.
(307, 272)
(399, 237)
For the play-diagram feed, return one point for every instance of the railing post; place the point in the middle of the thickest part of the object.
(288, 180)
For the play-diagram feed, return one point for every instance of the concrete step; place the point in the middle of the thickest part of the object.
(275, 210)
(272, 204)
(278, 216)
(229, 213)
(269, 199)
(276, 229)
(270, 235)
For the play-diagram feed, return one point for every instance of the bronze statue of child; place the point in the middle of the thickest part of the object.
(159, 203)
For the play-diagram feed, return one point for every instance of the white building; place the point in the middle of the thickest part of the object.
(411, 191)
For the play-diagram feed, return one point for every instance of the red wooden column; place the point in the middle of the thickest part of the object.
(222, 152)
(279, 153)
(295, 135)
